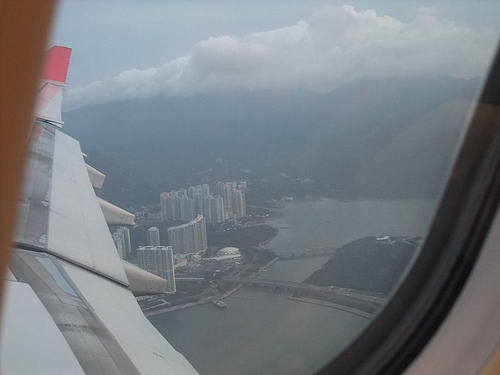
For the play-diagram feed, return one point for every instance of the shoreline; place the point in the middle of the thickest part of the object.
(174, 308)
(208, 299)
(193, 304)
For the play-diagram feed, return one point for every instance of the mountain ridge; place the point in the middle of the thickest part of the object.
(329, 138)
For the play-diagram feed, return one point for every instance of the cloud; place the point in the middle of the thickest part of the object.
(336, 45)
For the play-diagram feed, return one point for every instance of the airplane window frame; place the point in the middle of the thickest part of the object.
(396, 336)
(433, 282)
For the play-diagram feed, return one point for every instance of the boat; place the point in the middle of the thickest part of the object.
(219, 304)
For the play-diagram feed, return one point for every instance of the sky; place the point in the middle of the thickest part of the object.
(138, 49)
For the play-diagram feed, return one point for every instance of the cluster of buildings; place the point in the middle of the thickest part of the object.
(196, 205)
(187, 238)
(159, 260)
(185, 204)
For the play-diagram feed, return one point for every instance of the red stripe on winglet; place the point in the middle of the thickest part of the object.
(56, 64)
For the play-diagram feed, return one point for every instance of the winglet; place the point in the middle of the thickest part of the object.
(56, 64)
(53, 81)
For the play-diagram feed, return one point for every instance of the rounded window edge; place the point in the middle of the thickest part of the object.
(421, 302)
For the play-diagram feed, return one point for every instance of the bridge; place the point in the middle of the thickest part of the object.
(294, 286)
(197, 279)
(312, 252)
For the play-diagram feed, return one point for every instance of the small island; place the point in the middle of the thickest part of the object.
(373, 264)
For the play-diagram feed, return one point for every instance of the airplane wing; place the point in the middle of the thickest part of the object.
(70, 307)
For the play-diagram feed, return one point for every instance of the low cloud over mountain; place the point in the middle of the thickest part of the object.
(335, 46)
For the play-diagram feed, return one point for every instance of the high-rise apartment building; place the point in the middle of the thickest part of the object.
(210, 207)
(187, 211)
(176, 205)
(233, 198)
(224, 190)
(125, 232)
(238, 205)
(190, 237)
(159, 260)
(153, 236)
(205, 189)
(218, 210)
(121, 238)
(120, 245)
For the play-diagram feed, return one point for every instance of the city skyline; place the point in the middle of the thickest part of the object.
(184, 204)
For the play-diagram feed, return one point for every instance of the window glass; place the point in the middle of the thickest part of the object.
(291, 153)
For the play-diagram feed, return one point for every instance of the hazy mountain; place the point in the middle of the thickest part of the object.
(372, 138)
